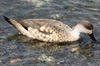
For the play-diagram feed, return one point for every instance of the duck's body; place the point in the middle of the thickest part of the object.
(50, 30)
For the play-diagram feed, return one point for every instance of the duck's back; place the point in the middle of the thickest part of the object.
(37, 23)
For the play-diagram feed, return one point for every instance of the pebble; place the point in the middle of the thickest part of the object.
(15, 60)
(47, 58)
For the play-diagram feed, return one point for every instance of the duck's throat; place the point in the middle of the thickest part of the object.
(74, 36)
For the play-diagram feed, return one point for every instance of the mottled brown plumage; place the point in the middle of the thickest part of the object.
(50, 30)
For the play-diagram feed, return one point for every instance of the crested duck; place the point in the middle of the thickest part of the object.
(50, 30)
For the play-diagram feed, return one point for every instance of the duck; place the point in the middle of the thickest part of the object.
(50, 30)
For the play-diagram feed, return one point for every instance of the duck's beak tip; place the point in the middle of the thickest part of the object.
(93, 38)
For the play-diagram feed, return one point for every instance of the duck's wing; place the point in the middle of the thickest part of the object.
(44, 25)
(34, 23)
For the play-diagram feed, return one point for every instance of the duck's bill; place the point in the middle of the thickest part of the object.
(92, 37)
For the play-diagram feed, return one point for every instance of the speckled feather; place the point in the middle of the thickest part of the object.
(47, 29)
(50, 30)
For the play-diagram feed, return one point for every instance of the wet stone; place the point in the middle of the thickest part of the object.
(15, 60)
(46, 58)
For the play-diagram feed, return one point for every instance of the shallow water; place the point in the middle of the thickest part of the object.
(17, 51)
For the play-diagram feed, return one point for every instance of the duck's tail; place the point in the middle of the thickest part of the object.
(11, 21)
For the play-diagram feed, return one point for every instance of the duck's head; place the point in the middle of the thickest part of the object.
(85, 27)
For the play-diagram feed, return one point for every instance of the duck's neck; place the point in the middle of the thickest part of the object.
(75, 35)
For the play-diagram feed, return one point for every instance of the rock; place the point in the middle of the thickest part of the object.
(46, 58)
(15, 60)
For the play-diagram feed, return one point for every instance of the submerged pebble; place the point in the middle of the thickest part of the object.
(15, 60)
(46, 58)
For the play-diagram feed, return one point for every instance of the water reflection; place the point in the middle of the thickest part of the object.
(75, 47)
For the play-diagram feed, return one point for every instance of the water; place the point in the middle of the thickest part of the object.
(18, 51)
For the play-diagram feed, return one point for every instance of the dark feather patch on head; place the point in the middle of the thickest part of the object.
(87, 24)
